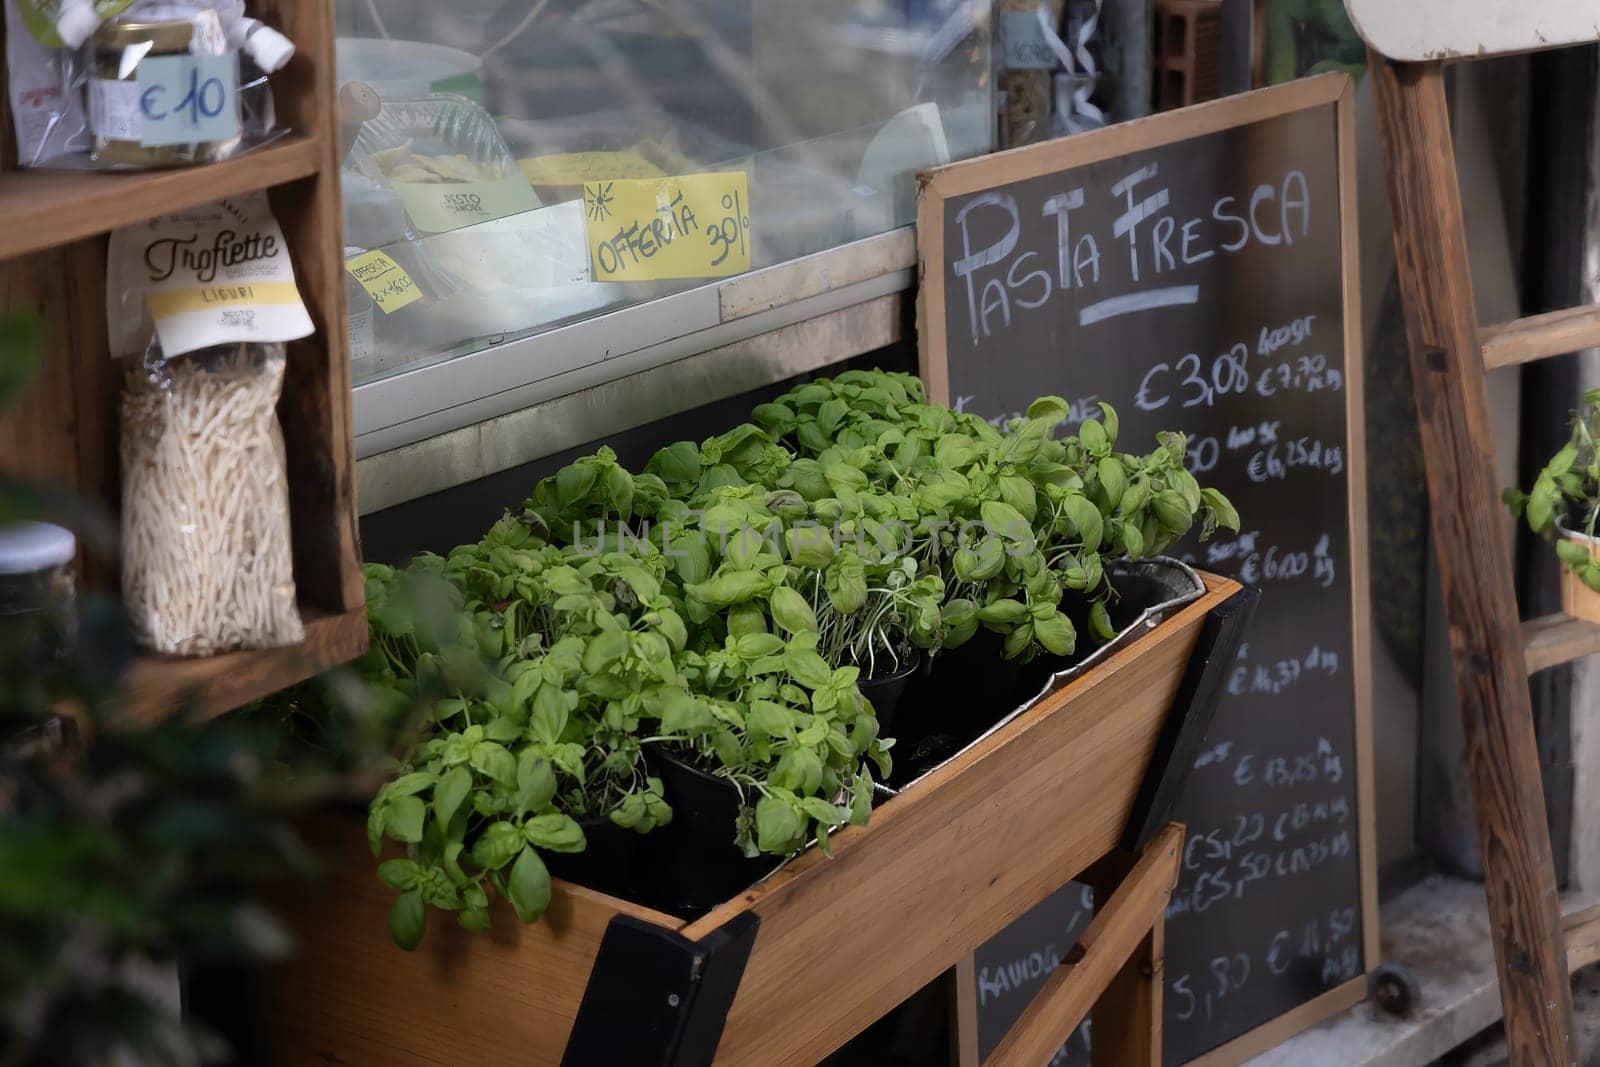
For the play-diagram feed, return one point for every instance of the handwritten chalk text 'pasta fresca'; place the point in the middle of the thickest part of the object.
(999, 281)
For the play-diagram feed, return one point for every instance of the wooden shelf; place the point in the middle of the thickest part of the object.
(156, 686)
(1557, 639)
(46, 208)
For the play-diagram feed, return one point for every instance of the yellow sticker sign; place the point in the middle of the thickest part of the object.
(695, 226)
(390, 287)
(575, 168)
(439, 207)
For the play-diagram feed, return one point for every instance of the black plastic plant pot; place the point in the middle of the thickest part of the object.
(885, 691)
(974, 684)
(692, 863)
(609, 862)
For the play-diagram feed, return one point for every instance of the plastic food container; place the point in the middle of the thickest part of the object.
(407, 68)
(38, 597)
(445, 158)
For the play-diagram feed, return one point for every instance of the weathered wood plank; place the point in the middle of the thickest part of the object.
(1480, 601)
(1554, 333)
(1552, 640)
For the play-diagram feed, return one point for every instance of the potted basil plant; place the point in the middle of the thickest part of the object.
(1564, 506)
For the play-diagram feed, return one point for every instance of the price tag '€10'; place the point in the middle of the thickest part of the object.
(188, 99)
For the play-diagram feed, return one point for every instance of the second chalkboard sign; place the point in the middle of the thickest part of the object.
(1195, 271)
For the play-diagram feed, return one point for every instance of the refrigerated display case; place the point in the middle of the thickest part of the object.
(502, 141)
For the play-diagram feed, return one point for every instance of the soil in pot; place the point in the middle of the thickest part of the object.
(609, 862)
(692, 864)
(887, 692)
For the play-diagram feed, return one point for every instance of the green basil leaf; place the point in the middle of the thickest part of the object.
(496, 845)
(1004, 521)
(407, 784)
(1100, 622)
(404, 819)
(1172, 511)
(1004, 612)
(1055, 632)
(558, 833)
(791, 611)
(493, 760)
(729, 588)
(549, 717)
(449, 794)
(827, 814)
(603, 650)
(529, 886)
(754, 646)
(1092, 435)
(536, 782)
(779, 828)
(1110, 415)
(806, 667)
(1086, 520)
(573, 482)
(770, 718)
(677, 463)
(407, 920)
(399, 874)
(1113, 479)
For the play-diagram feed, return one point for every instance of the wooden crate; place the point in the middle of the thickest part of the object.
(942, 867)
(53, 258)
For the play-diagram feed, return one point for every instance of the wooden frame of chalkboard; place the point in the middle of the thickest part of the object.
(1040, 289)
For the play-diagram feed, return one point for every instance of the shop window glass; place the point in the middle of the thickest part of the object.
(491, 144)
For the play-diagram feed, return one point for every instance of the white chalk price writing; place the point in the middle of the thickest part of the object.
(1274, 678)
(1330, 945)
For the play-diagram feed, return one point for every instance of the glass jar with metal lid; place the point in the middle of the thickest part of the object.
(147, 111)
(38, 597)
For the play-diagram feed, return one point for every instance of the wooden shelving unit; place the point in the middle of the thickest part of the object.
(52, 258)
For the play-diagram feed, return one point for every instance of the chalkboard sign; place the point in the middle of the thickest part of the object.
(1195, 270)
(1009, 969)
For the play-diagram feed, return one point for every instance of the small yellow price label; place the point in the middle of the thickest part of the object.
(694, 226)
(575, 168)
(390, 287)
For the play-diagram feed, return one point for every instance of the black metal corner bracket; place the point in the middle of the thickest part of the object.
(657, 999)
(1193, 708)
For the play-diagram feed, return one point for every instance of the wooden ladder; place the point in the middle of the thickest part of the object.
(1451, 355)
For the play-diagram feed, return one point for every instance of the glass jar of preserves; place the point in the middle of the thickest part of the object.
(145, 114)
(38, 597)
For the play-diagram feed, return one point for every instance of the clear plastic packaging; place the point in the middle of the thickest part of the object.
(444, 157)
(114, 84)
(206, 558)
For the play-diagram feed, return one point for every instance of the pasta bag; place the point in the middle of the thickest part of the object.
(206, 551)
(200, 304)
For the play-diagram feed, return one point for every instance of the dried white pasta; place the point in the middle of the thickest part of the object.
(206, 558)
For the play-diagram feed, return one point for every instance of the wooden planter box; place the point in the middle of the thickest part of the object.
(836, 943)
